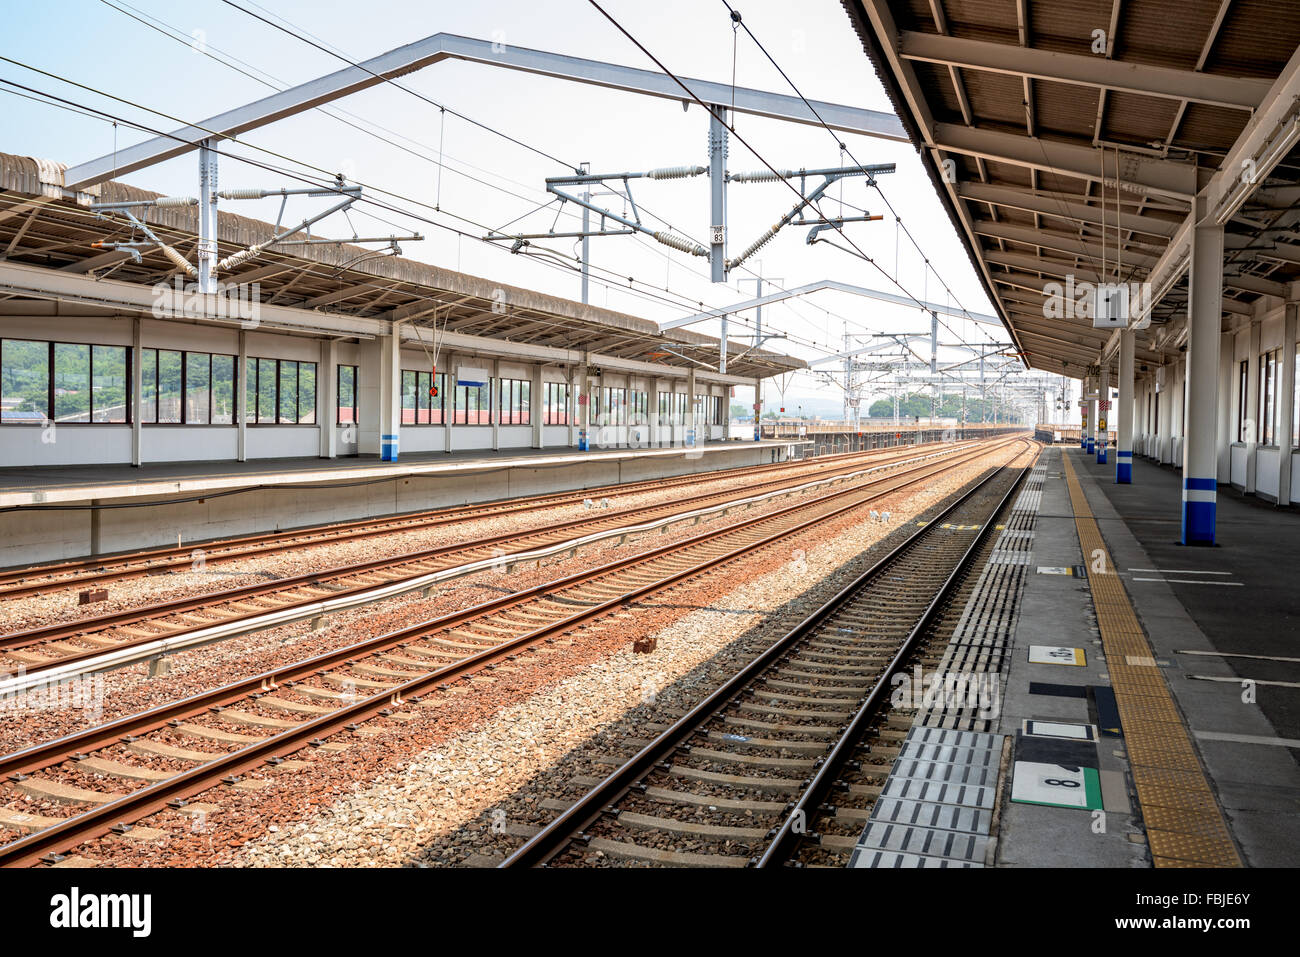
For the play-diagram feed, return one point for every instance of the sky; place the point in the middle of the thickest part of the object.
(484, 180)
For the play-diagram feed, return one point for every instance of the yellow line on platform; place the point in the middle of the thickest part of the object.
(1184, 823)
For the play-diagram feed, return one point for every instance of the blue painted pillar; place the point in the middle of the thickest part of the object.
(1103, 412)
(1124, 412)
(1201, 384)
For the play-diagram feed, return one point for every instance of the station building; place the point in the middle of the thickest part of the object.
(313, 350)
(1149, 146)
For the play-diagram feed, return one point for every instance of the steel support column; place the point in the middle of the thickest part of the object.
(1103, 413)
(390, 397)
(1201, 385)
(207, 217)
(1124, 417)
(718, 192)
(1286, 409)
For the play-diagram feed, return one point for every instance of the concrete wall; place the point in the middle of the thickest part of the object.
(29, 536)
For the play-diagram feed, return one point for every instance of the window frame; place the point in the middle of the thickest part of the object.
(50, 409)
(253, 385)
(1267, 408)
(338, 394)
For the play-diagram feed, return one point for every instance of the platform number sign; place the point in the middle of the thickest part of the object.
(1056, 785)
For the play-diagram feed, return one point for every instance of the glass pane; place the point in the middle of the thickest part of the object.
(198, 397)
(288, 391)
(24, 380)
(250, 390)
(108, 384)
(223, 390)
(347, 394)
(438, 405)
(169, 386)
(408, 397)
(71, 382)
(307, 393)
(266, 391)
(148, 385)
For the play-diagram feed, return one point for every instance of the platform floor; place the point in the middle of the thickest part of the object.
(28, 486)
(1124, 732)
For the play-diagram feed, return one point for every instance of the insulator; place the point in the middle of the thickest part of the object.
(230, 262)
(677, 242)
(165, 201)
(180, 261)
(762, 176)
(756, 245)
(676, 172)
(243, 194)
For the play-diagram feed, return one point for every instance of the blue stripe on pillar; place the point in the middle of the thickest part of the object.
(1200, 484)
(1101, 453)
(388, 448)
(1198, 522)
(1123, 468)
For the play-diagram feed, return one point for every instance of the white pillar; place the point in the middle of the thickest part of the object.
(241, 399)
(578, 426)
(494, 401)
(1223, 436)
(1252, 404)
(690, 405)
(1103, 412)
(758, 409)
(1201, 401)
(390, 397)
(327, 397)
(137, 425)
(537, 407)
(1124, 418)
(1285, 404)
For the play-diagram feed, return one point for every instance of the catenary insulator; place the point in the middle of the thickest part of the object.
(230, 262)
(243, 194)
(165, 201)
(180, 261)
(756, 245)
(676, 172)
(677, 242)
(762, 176)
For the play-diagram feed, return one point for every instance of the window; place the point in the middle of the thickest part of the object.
(665, 408)
(1155, 414)
(80, 383)
(514, 399)
(613, 406)
(1243, 390)
(679, 413)
(281, 391)
(473, 405)
(1295, 405)
(346, 414)
(420, 406)
(638, 407)
(556, 408)
(1268, 405)
(189, 388)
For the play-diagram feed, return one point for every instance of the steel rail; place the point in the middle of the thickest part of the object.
(556, 836)
(272, 542)
(151, 798)
(365, 593)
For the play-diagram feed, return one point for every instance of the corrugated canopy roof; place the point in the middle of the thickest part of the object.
(40, 225)
(1028, 112)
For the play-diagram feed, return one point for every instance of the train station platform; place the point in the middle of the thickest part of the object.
(52, 513)
(1146, 705)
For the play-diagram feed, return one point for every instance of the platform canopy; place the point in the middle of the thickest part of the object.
(1067, 138)
(49, 266)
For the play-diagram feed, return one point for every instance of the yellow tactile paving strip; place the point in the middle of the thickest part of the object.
(1184, 823)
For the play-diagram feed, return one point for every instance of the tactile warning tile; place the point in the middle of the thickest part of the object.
(1196, 848)
(1186, 826)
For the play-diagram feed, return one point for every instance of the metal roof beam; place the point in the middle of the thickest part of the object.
(835, 286)
(1058, 241)
(1234, 92)
(443, 46)
(1051, 204)
(1145, 175)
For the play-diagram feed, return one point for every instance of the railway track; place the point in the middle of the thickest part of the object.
(117, 773)
(744, 777)
(110, 638)
(101, 570)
